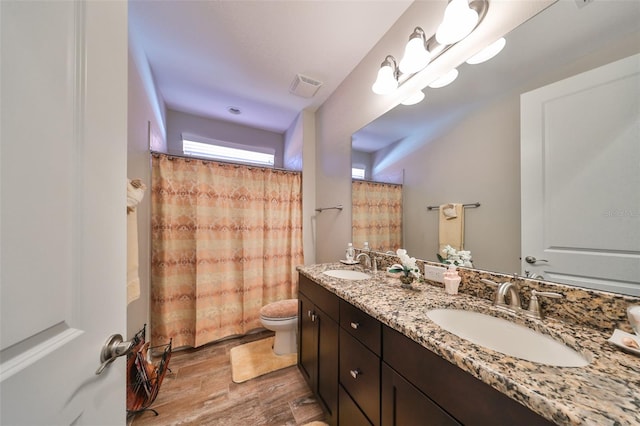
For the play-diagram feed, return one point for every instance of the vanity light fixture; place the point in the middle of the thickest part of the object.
(388, 74)
(461, 17)
(459, 20)
(444, 80)
(414, 98)
(416, 56)
(488, 52)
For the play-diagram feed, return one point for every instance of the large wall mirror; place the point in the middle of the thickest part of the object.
(461, 144)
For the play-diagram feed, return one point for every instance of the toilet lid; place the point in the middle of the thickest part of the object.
(281, 309)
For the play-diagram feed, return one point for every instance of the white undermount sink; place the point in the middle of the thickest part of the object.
(507, 337)
(347, 274)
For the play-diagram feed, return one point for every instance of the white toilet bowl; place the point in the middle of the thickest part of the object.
(282, 317)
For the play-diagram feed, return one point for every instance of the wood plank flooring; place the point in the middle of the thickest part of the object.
(199, 390)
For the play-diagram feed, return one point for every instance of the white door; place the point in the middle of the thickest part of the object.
(62, 210)
(580, 160)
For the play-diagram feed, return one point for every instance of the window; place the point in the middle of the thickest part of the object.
(357, 173)
(225, 151)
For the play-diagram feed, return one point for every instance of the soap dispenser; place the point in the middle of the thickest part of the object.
(451, 280)
(350, 253)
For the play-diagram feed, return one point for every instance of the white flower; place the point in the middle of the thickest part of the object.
(458, 258)
(407, 266)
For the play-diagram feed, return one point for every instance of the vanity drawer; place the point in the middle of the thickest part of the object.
(360, 375)
(322, 298)
(362, 326)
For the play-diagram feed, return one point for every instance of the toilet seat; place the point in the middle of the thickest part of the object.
(282, 310)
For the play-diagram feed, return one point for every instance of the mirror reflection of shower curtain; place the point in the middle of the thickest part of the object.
(376, 210)
(226, 240)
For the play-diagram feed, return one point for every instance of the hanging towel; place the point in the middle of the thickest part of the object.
(451, 226)
(135, 192)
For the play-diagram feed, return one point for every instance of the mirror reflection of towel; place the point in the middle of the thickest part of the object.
(451, 226)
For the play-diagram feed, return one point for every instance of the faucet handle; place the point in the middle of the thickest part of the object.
(534, 310)
(493, 283)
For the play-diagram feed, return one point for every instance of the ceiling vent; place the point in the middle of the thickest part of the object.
(304, 86)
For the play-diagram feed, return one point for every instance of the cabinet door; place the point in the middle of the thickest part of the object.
(350, 414)
(307, 342)
(327, 378)
(404, 405)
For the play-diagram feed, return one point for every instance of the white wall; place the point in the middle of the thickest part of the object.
(300, 142)
(180, 122)
(145, 111)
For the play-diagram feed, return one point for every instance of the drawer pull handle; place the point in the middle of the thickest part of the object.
(355, 373)
(355, 325)
(313, 317)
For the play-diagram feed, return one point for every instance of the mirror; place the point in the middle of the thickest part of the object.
(461, 143)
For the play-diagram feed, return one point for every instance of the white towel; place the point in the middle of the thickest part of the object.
(135, 192)
(451, 226)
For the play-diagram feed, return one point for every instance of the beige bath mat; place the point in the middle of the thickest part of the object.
(257, 358)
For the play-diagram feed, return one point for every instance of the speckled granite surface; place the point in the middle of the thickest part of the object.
(606, 392)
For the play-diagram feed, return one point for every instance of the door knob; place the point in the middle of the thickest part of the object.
(113, 348)
(532, 260)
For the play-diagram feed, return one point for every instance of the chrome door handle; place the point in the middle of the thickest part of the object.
(532, 260)
(113, 348)
(355, 373)
(355, 325)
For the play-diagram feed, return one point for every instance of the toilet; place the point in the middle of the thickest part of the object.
(282, 317)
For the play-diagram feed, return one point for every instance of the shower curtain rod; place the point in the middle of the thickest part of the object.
(191, 157)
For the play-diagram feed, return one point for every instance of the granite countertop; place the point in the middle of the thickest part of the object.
(606, 392)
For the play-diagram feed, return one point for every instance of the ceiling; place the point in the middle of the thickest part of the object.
(560, 34)
(208, 56)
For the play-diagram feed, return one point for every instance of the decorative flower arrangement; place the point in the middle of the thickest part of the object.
(407, 265)
(455, 257)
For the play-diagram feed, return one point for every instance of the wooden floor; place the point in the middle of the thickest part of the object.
(199, 390)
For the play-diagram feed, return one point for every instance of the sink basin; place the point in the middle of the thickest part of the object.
(507, 337)
(347, 274)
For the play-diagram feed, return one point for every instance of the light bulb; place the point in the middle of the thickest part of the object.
(386, 81)
(459, 20)
(416, 56)
(414, 98)
(488, 52)
(445, 79)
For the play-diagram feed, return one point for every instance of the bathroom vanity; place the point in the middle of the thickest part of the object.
(373, 357)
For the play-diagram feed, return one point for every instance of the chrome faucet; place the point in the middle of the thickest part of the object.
(512, 289)
(531, 275)
(506, 288)
(371, 264)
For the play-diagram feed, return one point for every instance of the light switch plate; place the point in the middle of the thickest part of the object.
(434, 273)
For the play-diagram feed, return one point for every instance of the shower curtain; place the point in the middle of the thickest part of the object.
(376, 210)
(226, 240)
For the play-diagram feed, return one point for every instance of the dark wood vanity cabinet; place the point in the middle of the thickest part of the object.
(318, 340)
(365, 373)
(451, 390)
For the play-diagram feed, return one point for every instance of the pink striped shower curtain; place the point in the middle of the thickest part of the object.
(226, 240)
(376, 210)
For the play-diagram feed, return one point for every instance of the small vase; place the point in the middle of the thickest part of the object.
(406, 281)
